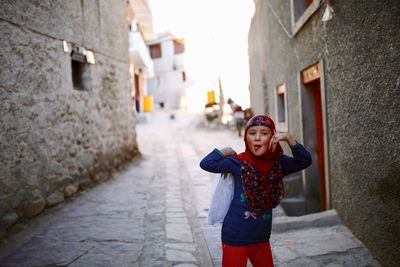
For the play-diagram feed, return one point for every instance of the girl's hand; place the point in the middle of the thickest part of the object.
(280, 137)
(228, 151)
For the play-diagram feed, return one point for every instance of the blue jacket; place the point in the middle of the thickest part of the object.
(240, 227)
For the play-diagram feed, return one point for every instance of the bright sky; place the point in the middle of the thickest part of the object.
(215, 33)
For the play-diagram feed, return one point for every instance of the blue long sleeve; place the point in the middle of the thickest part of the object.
(301, 159)
(215, 162)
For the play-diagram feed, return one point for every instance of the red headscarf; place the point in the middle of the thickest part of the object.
(261, 175)
(263, 163)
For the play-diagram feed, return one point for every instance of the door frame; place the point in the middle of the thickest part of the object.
(324, 125)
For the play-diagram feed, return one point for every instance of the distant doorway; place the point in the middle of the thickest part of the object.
(137, 93)
(316, 184)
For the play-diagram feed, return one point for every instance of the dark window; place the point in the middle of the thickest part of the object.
(179, 46)
(155, 50)
(302, 10)
(81, 79)
(183, 76)
(299, 7)
(281, 103)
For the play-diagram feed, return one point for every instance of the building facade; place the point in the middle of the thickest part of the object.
(330, 77)
(170, 80)
(141, 30)
(67, 121)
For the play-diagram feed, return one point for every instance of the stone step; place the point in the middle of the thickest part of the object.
(320, 219)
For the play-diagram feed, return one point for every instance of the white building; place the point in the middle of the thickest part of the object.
(170, 79)
(141, 68)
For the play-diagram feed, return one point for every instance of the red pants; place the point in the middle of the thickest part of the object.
(259, 254)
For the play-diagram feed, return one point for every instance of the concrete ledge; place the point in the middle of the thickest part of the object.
(320, 219)
(294, 206)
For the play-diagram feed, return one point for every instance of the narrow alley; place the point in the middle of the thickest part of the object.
(96, 170)
(153, 213)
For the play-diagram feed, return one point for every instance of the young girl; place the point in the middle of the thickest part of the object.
(258, 187)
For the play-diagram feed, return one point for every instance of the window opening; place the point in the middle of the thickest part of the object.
(302, 10)
(179, 46)
(281, 108)
(155, 51)
(299, 7)
(281, 103)
(80, 72)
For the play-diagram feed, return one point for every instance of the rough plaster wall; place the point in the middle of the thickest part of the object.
(54, 139)
(361, 53)
(363, 83)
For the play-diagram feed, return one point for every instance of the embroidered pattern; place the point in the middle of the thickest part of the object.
(262, 192)
(242, 198)
(266, 216)
(248, 214)
(261, 120)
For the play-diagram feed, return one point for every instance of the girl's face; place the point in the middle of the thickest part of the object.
(258, 138)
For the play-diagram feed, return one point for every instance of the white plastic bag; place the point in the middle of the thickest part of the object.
(220, 200)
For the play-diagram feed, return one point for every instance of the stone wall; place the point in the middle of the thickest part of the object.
(56, 140)
(360, 48)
